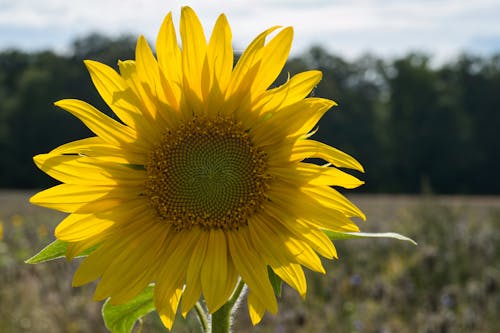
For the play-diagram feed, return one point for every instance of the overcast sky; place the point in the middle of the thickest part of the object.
(348, 27)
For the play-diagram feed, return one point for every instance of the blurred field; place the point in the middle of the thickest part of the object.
(448, 283)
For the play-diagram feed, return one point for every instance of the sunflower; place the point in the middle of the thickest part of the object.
(201, 180)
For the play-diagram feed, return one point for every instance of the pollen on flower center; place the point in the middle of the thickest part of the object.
(207, 173)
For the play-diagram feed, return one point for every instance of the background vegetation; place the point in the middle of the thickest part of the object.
(413, 126)
(448, 283)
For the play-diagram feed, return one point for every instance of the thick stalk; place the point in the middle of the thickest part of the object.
(221, 319)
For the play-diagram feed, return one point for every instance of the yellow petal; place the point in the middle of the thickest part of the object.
(313, 149)
(169, 59)
(157, 94)
(194, 49)
(172, 275)
(86, 170)
(315, 238)
(93, 266)
(134, 268)
(232, 278)
(146, 65)
(103, 126)
(305, 255)
(214, 272)
(98, 148)
(193, 289)
(331, 198)
(71, 198)
(157, 115)
(294, 90)
(158, 89)
(166, 303)
(255, 308)
(251, 268)
(320, 214)
(300, 228)
(292, 121)
(77, 227)
(77, 248)
(248, 60)
(147, 75)
(271, 246)
(244, 74)
(274, 57)
(299, 250)
(128, 71)
(307, 173)
(293, 275)
(323, 175)
(220, 62)
(117, 94)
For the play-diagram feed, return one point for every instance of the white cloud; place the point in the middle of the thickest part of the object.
(346, 26)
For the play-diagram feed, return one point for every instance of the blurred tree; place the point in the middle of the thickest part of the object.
(34, 124)
(423, 122)
(479, 80)
(30, 84)
(352, 125)
(104, 49)
(414, 127)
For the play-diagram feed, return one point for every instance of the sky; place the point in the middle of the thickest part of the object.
(350, 28)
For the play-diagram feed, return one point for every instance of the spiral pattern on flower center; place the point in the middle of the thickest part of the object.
(207, 173)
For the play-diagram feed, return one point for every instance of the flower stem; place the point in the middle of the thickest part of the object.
(236, 293)
(202, 317)
(221, 319)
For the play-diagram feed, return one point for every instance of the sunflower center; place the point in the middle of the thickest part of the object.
(207, 173)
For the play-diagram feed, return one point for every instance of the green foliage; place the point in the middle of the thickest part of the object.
(335, 235)
(121, 318)
(55, 250)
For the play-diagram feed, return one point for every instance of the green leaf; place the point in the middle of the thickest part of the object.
(275, 281)
(56, 249)
(335, 235)
(121, 318)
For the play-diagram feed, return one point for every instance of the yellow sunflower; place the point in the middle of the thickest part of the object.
(203, 180)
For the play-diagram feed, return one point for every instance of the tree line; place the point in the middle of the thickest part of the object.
(414, 126)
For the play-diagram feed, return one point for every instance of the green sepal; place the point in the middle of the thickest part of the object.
(336, 235)
(121, 318)
(56, 249)
(275, 280)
